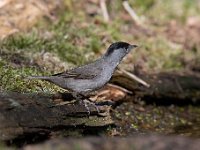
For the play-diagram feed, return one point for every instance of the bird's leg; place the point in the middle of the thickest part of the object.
(91, 102)
(85, 97)
(78, 97)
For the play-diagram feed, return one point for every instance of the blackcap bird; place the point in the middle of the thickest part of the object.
(92, 76)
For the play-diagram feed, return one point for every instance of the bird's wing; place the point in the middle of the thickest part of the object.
(86, 72)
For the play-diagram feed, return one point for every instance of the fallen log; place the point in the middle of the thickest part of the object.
(26, 114)
(165, 88)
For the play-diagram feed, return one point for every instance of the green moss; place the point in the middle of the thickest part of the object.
(15, 79)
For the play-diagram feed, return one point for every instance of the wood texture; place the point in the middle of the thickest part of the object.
(22, 114)
(165, 88)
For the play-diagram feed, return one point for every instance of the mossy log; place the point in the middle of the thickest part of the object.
(28, 114)
(165, 88)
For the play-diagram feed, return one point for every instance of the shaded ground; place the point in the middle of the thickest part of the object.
(148, 142)
(137, 118)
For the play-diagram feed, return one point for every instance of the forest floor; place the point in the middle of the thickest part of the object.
(40, 39)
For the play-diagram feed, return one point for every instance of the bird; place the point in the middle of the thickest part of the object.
(85, 79)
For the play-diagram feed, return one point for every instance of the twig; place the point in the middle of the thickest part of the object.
(134, 77)
(104, 10)
(120, 88)
(132, 13)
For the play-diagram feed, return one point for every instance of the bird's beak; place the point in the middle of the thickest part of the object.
(132, 46)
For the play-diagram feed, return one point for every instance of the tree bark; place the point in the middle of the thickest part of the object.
(23, 114)
(165, 88)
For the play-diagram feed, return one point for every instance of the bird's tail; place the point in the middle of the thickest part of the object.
(38, 77)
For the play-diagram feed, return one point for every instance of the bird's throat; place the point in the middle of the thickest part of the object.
(113, 60)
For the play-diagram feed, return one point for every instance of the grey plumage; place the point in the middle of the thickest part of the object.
(92, 76)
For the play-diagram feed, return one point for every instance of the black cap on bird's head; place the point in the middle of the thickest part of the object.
(120, 46)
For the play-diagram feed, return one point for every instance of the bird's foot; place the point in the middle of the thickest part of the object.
(86, 102)
(86, 106)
